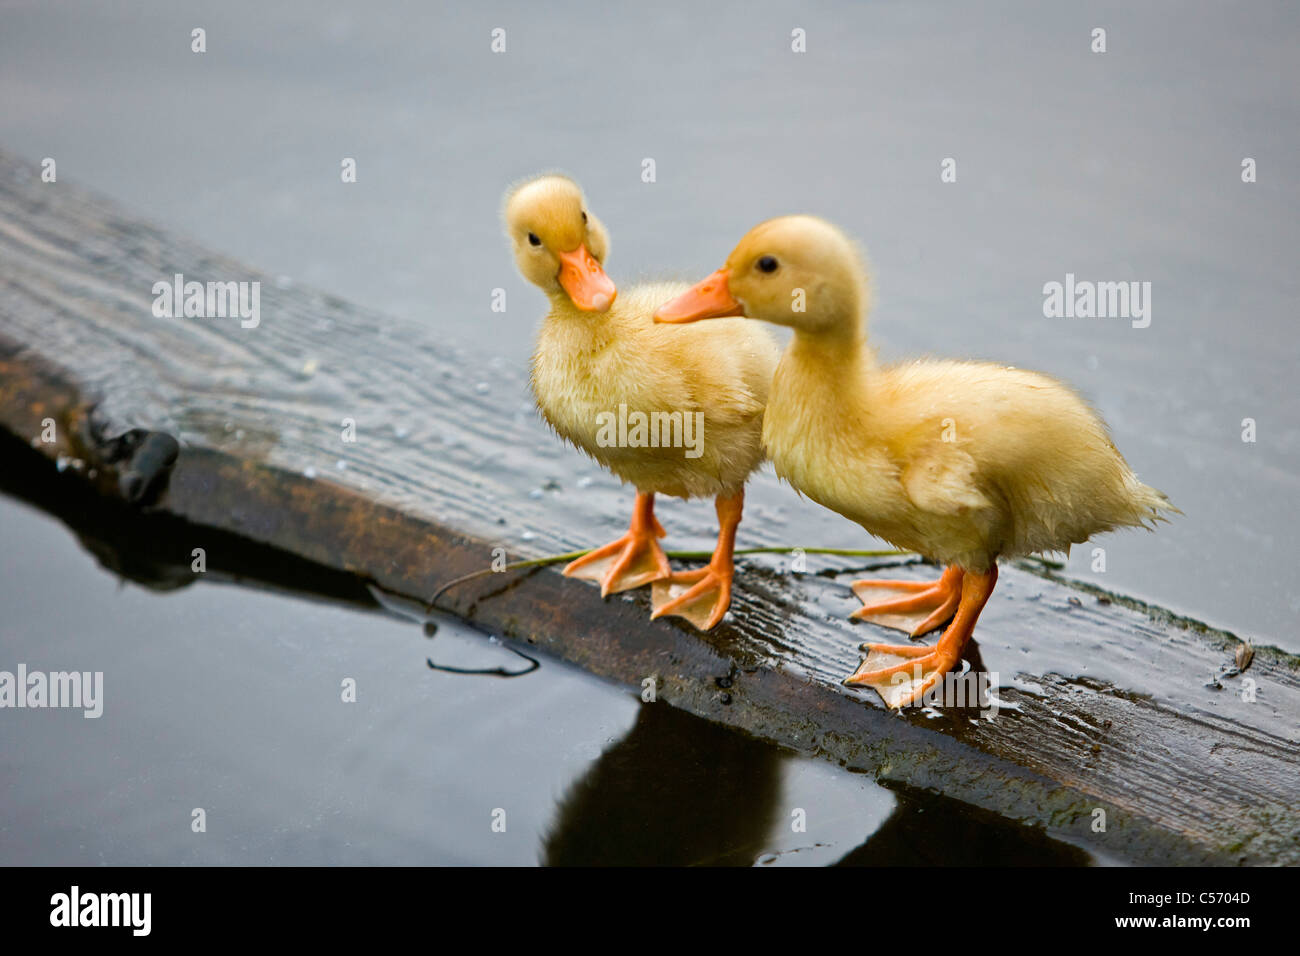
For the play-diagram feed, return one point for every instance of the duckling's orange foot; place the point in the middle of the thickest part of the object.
(631, 561)
(903, 673)
(917, 607)
(701, 596)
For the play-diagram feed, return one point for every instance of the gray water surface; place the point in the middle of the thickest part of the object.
(1117, 166)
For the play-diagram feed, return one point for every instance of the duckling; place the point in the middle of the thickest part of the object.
(600, 357)
(964, 462)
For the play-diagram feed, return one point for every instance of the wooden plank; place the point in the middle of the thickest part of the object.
(451, 462)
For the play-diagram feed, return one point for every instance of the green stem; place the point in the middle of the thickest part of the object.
(679, 555)
(840, 552)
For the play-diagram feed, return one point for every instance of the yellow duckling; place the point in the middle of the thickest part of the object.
(964, 462)
(693, 405)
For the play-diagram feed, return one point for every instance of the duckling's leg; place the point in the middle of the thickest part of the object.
(631, 561)
(702, 596)
(903, 673)
(925, 606)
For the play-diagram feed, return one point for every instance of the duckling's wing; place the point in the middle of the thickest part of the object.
(942, 479)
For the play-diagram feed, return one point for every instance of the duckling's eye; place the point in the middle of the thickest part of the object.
(767, 264)
(584, 218)
(533, 240)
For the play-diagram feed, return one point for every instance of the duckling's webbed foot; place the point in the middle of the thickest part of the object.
(917, 607)
(631, 561)
(902, 674)
(702, 596)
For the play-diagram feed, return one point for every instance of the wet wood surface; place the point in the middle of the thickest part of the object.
(1105, 705)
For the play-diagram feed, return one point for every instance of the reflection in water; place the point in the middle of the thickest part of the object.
(522, 671)
(677, 790)
(934, 831)
(155, 549)
(681, 791)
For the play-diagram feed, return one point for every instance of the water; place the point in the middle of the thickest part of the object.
(224, 692)
(1116, 166)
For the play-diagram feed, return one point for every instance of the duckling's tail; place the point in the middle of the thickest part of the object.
(1150, 505)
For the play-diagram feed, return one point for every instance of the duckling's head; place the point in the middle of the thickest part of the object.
(798, 271)
(559, 245)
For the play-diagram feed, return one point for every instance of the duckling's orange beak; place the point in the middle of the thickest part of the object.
(585, 281)
(708, 299)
